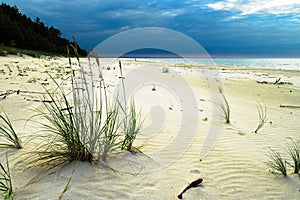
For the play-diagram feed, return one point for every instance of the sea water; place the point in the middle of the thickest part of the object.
(265, 63)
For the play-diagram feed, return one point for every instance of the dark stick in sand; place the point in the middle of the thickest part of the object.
(289, 106)
(191, 185)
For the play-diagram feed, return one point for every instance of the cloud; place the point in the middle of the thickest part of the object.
(172, 12)
(246, 26)
(275, 7)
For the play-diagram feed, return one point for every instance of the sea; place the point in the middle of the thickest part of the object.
(264, 63)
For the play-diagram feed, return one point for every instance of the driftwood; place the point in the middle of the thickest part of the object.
(277, 81)
(191, 185)
(32, 92)
(7, 93)
(266, 82)
(289, 106)
(39, 100)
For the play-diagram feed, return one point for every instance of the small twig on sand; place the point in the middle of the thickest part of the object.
(7, 93)
(277, 81)
(289, 106)
(191, 185)
(39, 100)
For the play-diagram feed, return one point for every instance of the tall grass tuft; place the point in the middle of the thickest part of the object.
(132, 126)
(110, 139)
(71, 125)
(132, 122)
(5, 181)
(83, 124)
(8, 133)
(293, 149)
(63, 140)
(262, 114)
(224, 105)
(276, 162)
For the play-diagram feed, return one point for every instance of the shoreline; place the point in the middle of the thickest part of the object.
(256, 74)
(236, 62)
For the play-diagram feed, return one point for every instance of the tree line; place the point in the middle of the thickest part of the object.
(19, 31)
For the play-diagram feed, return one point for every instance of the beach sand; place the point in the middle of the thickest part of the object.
(178, 114)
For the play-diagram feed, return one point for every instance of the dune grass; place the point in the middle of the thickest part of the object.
(132, 125)
(8, 134)
(6, 181)
(165, 70)
(276, 162)
(293, 149)
(63, 140)
(262, 114)
(111, 135)
(225, 107)
(131, 122)
(79, 126)
(83, 124)
(75, 128)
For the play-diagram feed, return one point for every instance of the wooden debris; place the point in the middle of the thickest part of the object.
(266, 82)
(277, 81)
(195, 183)
(289, 106)
(7, 93)
(39, 100)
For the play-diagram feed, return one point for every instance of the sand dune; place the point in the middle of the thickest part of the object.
(178, 115)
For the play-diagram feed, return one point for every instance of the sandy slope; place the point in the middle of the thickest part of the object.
(178, 115)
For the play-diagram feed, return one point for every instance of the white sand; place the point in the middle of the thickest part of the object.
(234, 169)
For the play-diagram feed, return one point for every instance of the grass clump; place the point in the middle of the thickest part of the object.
(293, 149)
(276, 162)
(132, 126)
(132, 122)
(6, 181)
(74, 128)
(284, 83)
(262, 114)
(224, 106)
(110, 131)
(84, 125)
(8, 133)
(64, 141)
(165, 70)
